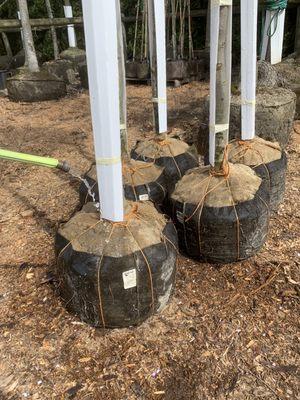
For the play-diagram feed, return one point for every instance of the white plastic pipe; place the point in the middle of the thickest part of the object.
(248, 66)
(157, 45)
(102, 59)
(276, 41)
(71, 30)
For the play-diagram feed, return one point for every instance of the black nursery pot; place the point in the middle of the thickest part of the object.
(176, 157)
(4, 74)
(118, 275)
(144, 183)
(177, 70)
(83, 74)
(143, 70)
(35, 86)
(274, 173)
(131, 69)
(267, 159)
(220, 234)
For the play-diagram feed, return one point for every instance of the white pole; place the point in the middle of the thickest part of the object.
(275, 26)
(102, 58)
(157, 46)
(248, 66)
(71, 30)
(277, 39)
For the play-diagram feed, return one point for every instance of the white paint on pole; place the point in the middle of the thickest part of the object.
(102, 58)
(71, 30)
(275, 42)
(158, 9)
(248, 66)
(214, 39)
(160, 29)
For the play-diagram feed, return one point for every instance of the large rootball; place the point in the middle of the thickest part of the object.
(142, 182)
(35, 86)
(116, 274)
(174, 155)
(268, 161)
(221, 219)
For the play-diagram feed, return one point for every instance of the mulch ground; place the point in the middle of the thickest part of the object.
(230, 331)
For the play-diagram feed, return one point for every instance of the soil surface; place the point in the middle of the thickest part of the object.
(230, 331)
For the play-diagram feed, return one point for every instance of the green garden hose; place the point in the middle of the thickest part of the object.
(35, 160)
(278, 6)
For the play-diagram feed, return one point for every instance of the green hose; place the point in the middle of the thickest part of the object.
(278, 6)
(35, 160)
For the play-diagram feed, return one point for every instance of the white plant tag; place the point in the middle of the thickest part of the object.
(129, 279)
(144, 197)
(180, 217)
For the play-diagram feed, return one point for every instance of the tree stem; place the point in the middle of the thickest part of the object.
(6, 44)
(53, 30)
(223, 85)
(122, 85)
(30, 54)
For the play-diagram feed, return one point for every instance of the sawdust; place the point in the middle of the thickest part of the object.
(229, 333)
(198, 185)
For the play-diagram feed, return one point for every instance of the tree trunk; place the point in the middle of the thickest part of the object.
(207, 36)
(30, 54)
(297, 35)
(146, 31)
(6, 44)
(223, 85)
(136, 30)
(182, 27)
(53, 31)
(191, 50)
(143, 32)
(122, 85)
(174, 35)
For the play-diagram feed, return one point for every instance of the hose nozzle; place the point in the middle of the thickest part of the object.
(63, 166)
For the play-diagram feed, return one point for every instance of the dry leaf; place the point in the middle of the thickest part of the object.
(85, 360)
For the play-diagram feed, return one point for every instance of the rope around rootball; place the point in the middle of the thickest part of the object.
(225, 173)
(133, 214)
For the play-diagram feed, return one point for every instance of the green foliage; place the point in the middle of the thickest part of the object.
(42, 39)
(43, 42)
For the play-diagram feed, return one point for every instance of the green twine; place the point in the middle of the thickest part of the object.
(278, 6)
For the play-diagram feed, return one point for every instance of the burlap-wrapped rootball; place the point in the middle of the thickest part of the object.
(174, 155)
(116, 274)
(221, 219)
(268, 161)
(142, 182)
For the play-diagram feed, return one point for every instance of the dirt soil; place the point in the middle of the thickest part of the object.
(230, 331)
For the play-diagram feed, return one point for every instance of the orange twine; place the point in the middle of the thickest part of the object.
(223, 172)
(247, 145)
(133, 213)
